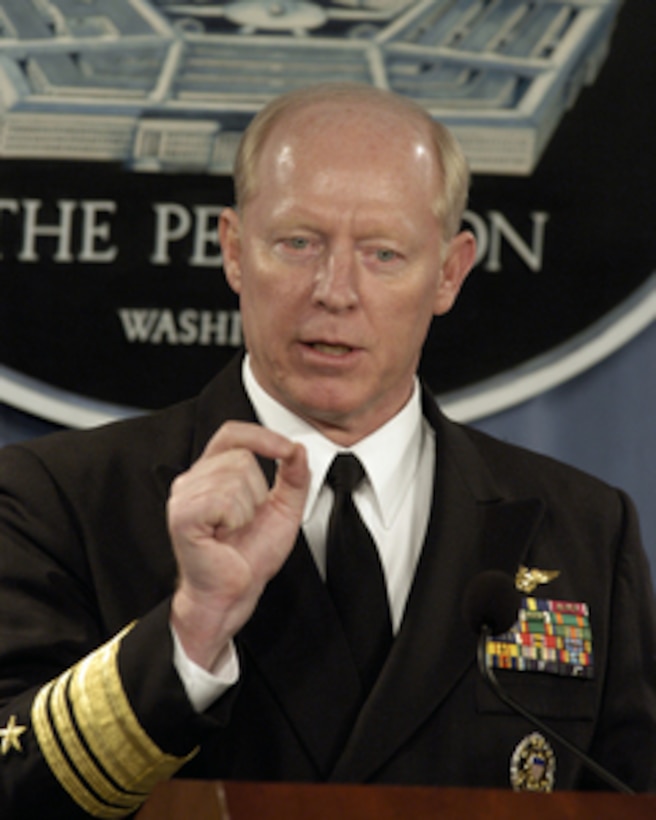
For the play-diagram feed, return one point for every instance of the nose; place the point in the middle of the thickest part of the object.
(335, 284)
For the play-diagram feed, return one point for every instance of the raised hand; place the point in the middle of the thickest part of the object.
(231, 532)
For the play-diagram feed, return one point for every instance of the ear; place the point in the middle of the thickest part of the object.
(230, 239)
(460, 258)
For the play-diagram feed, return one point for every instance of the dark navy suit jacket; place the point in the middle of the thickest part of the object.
(84, 550)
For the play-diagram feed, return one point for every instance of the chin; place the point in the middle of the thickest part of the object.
(332, 410)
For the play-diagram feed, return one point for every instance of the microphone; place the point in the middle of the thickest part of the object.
(490, 606)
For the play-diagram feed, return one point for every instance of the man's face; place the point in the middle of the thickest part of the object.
(340, 265)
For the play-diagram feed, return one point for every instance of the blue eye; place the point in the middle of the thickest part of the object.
(386, 255)
(298, 243)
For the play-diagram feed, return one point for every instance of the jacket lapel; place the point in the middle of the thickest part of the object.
(222, 399)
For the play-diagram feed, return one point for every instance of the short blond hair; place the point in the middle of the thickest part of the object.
(452, 199)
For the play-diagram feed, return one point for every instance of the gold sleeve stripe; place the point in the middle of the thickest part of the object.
(59, 763)
(109, 725)
(74, 747)
(93, 741)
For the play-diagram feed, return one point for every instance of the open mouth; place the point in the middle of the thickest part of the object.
(331, 349)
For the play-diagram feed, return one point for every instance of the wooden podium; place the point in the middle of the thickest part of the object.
(218, 800)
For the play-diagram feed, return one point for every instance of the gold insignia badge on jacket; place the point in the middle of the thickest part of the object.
(528, 579)
(533, 765)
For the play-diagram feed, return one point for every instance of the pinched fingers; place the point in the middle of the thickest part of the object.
(223, 490)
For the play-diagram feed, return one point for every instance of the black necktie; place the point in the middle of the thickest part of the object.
(354, 574)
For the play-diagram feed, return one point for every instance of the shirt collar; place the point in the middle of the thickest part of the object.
(389, 455)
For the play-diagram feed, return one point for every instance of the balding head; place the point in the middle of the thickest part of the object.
(344, 102)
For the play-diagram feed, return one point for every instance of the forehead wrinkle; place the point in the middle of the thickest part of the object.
(320, 207)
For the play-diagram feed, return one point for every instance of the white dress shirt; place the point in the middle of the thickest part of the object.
(394, 501)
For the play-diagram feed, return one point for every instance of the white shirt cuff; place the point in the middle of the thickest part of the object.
(203, 687)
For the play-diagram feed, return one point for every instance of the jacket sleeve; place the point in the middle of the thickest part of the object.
(72, 741)
(625, 735)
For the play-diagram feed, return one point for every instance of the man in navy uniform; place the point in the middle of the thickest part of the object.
(166, 586)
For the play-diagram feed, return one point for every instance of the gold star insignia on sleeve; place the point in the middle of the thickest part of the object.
(527, 579)
(11, 736)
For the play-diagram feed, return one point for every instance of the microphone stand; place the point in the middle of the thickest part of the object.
(491, 679)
